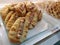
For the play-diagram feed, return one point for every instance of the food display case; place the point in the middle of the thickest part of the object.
(46, 27)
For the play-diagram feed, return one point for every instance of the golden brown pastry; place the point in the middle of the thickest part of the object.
(11, 20)
(26, 26)
(31, 6)
(8, 16)
(16, 30)
(21, 8)
(6, 10)
(11, 7)
(33, 19)
(54, 9)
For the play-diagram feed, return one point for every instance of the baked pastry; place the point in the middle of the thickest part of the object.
(8, 17)
(6, 10)
(11, 21)
(16, 30)
(54, 9)
(33, 19)
(31, 6)
(11, 7)
(26, 26)
(21, 9)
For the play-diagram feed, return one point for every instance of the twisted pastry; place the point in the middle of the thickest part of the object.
(11, 21)
(16, 30)
(26, 26)
(21, 9)
(30, 6)
(6, 10)
(8, 16)
(33, 19)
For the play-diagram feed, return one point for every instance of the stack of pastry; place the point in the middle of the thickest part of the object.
(51, 7)
(54, 9)
(19, 18)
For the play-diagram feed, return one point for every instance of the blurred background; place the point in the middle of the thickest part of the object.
(13, 1)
